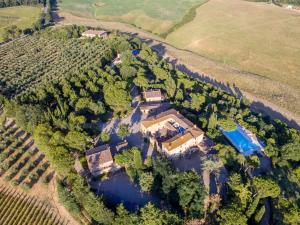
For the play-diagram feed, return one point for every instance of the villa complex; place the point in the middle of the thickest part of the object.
(172, 133)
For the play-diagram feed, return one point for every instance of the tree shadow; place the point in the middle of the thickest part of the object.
(147, 41)
(160, 49)
(56, 18)
(262, 108)
(136, 117)
(50, 176)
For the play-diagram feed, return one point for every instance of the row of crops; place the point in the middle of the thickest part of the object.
(27, 61)
(20, 209)
(21, 163)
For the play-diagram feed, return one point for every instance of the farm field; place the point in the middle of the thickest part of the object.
(19, 208)
(21, 16)
(156, 16)
(22, 164)
(28, 61)
(25, 175)
(255, 37)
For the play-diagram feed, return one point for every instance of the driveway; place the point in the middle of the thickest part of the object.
(134, 121)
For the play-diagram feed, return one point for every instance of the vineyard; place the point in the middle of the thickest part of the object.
(30, 60)
(21, 163)
(18, 208)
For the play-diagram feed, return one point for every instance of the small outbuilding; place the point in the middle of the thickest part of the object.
(153, 95)
(100, 160)
(95, 33)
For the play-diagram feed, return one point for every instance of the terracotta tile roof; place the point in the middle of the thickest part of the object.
(152, 94)
(167, 119)
(180, 139)
(98, 156)
(170, 114)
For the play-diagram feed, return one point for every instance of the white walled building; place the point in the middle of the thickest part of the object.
(153, 95)
(99, 160)
(172, 132)
(94, 33)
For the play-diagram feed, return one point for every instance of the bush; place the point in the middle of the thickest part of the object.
(67, 199)
(105, 137)
(25, 186)
(123, 130)
(146, 181)
(7, 178)
(14, 183)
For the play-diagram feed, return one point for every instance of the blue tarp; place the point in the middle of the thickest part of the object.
(242, 142)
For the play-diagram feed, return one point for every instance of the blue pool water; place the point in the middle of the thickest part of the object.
(240, 140)
(135, 52)
(181, 130)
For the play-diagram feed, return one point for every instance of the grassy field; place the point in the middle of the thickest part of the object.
(21, 16)
(155, 15)
(256, 37)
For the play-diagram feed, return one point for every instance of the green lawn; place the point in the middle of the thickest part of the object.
(21, 16)
(155, 15)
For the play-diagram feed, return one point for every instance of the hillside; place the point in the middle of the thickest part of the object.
(255, 37)
(21, 16)
(236, 54)
(156, 16)
(80, 109)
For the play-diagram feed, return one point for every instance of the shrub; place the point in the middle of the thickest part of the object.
(15, 183)
(25, 186)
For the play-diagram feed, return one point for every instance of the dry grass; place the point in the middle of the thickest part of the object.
(142, 20)
(156, 16)
(21, 16)
(256, 37)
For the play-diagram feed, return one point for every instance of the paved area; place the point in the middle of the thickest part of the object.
(134, 121)
(189, 161)
(120, 189)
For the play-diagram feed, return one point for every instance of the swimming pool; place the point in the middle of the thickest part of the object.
(136, 52)
(242, 141)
